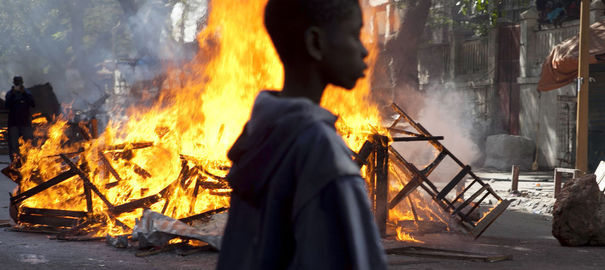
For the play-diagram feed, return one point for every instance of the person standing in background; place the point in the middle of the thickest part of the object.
(18, 101)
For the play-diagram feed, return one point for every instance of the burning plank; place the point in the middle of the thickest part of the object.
(50, 217)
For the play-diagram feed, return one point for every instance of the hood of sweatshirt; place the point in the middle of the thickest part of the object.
(274, 125)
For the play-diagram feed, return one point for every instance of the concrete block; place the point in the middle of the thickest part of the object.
(503, 151)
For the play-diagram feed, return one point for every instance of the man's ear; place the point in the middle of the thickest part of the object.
(314, 43)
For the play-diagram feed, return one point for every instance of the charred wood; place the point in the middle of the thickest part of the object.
(133, 205)
(52, 212)
(362, 157)
(41, 187)
(86, 181)
(52, 221)
(88, 196)
(12, 174)
(109, 167)
(220, 193)
(214, 176)
(194, 195)
(140, 171)
(125, 146)
(112, 184)
(419, 138)
(213, 185)
(203, 216)
(77, 238)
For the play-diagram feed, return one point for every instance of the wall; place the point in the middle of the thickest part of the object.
(543, 117)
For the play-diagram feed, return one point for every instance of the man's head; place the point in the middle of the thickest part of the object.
(321, 34)
(18, 81)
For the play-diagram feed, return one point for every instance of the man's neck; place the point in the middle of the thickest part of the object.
(303, 83)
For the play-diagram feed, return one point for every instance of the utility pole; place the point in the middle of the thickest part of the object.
(583, 81)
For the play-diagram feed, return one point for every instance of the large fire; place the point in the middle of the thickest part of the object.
(201, 110)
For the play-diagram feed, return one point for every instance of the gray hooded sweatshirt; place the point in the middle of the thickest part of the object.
(298, 199)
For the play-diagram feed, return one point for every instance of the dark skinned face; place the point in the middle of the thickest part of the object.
(343, 59)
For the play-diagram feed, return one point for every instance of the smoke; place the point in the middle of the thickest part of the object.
(443, 112)
(78, 46)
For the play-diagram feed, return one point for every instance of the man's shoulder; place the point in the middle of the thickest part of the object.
(319, 134)
(320, 146)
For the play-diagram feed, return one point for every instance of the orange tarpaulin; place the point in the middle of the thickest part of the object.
(561, 66)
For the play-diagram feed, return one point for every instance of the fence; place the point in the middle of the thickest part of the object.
(472, 57)
(547, 39)
(433, 63)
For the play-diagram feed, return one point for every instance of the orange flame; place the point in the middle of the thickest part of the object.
(199, 114)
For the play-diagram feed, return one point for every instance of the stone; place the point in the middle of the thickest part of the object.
(502, 151)
(579, 213)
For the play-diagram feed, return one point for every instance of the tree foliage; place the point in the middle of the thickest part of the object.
(480, 14)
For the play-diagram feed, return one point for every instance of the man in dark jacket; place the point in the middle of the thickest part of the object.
(18, 101)
(298, 199)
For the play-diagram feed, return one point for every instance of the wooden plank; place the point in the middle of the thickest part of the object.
(361, 158)
(86, 180)
(413, 208)
(52, 221)
(405, 191)
(469, 200)
(110, 168)
(204, 215)
(406, 117)
(476, 205)
(136, 145)
(212, 185)
(396, 121)
(73, 238)
(382, 187)
(43, 186)
(558, 180)
(454, 182)
(154, 251)
(447, 254)
(193, 200)
(486, 221)
(12, 174)
(461, 194)
(411, 168)
(420, 138)
(52, 212)
(133, 205)
(88, 196)
(514, 178)
(140, 171)
(401, 131)
(429, 168)
(5, 223)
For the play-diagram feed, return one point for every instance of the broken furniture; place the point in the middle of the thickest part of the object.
(76, 222)
(377, 154)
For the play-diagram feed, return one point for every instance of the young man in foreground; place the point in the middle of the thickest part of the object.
(298, 199)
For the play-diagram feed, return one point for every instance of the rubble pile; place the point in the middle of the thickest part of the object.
(535, 202)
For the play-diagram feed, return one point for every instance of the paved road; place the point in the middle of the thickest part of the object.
(525, 236)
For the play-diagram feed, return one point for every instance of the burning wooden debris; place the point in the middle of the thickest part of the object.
(72, 224)
(383, 166)
(382, 158)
